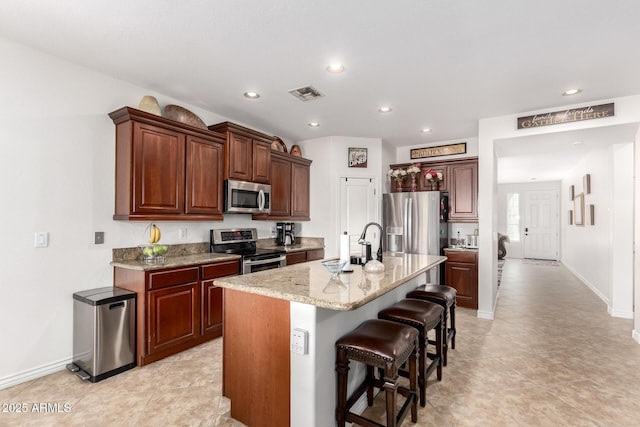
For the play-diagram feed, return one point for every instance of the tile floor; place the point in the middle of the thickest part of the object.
(553, 356)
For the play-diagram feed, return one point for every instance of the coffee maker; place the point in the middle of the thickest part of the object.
(285, 234)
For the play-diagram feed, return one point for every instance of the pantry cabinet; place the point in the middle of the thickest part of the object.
(166, 170)
(247, 153)
(177, 308)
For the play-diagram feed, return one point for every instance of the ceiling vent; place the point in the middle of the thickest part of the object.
(306, 93)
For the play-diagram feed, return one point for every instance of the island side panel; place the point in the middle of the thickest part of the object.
(256, 358)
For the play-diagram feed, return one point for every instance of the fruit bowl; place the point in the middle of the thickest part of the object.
(153, 252)
(334, 266)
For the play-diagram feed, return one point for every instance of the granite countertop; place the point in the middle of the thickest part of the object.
(174, 261)
(310, 283)
(462, 249)
(302, 244)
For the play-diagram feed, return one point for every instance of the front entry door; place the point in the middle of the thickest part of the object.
(541, 224)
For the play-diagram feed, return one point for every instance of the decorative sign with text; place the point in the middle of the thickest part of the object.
(567, 116)
(439, 150)
(357, 157)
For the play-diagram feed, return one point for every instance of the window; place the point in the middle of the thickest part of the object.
(513, 216)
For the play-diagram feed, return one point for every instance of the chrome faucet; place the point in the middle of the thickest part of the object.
(362, 240)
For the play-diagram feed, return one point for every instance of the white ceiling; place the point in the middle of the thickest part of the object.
(438, 64)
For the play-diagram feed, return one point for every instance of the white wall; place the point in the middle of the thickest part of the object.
(329, 165)
(492, 129)
(585, 249)
(515, 249)
(57, 170)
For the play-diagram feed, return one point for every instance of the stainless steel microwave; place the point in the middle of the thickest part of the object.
(246, 197)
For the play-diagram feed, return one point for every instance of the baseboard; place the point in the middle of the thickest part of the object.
(587, 283)
(34, 373)
(489, 315)
(620, 313)
(636, 336)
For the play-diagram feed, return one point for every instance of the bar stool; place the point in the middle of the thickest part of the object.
(445, 296)
(424, 316)
(384, 345)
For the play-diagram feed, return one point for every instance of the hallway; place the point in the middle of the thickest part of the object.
(552, 357)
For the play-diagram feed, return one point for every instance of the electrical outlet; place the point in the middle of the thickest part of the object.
(273, 231)
(182, 233)
(299, 341)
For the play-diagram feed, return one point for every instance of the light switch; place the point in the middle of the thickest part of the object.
(42, 239)
(299, 341)
(99, 238)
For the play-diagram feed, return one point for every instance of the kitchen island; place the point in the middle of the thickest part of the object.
(267, 383)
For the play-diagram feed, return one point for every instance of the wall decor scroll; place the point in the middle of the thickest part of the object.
(586, 184)
(578, 209)
(567, 116)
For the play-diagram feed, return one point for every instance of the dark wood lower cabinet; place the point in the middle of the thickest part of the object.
(304, 256)
(461, 273)
(177, 308)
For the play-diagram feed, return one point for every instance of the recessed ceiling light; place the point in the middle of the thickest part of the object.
(571, 92)
(252, 95)
(384, 109)
(314, 124)
(577, 142)
(533, 179)
(335, 68)
(425, 130)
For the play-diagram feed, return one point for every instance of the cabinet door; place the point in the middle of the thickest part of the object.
(240, 153)
(300, 184)
(280, 187)
(211, 309)
(315, 254)
(464, 278)
(261, 161)
(158, 170)
(424, 185)
(211, 295)
(463, 192)
(174, 316)
(204, 177)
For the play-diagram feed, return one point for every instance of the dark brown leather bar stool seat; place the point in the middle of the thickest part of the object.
(445, 296)
(424, 316)
(387, 346)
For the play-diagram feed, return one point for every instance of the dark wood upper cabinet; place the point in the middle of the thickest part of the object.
(247, 153)
(166, 170)
(460, 181)
(204, 177)
(290, 186)
(463, 191)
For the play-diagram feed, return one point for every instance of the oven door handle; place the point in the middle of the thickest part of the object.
(265, 261)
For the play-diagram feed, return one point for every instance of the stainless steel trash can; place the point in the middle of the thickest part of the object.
(104, 335)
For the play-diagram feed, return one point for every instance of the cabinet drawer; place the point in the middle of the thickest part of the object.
(220, 269)
(172, 277)
(315, 254)
(296, 257)
(461, 256)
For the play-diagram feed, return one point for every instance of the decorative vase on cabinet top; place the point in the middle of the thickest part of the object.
(150, 104)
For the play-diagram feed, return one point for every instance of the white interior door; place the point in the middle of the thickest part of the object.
(358, 207)
(541, 224)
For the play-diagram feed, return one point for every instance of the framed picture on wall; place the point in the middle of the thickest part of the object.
(357, 157)
(578, 209)
(586, 184)
(572, 192)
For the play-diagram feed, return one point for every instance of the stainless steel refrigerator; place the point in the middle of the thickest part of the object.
(415, 223)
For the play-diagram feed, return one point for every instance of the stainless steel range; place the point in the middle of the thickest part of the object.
(242, 241)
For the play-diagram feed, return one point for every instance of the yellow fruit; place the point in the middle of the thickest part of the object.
(158, 234)
(153, 233)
